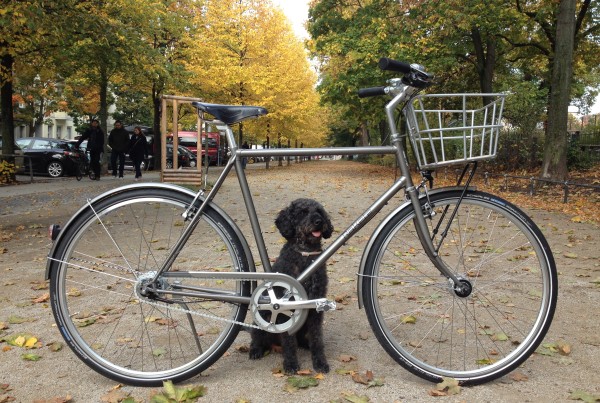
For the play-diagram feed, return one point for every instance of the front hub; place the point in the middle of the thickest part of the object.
(464, 288)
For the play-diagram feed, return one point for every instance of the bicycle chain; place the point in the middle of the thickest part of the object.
(204, 315)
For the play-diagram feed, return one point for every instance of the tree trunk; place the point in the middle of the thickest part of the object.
(486, 62)
(103, 114)
(554, 164)
(156, 127)
(363, 140)
(6, 108)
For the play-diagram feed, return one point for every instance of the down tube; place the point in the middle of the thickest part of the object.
(354, 227)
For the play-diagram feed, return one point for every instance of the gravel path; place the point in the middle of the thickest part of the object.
(343, 188)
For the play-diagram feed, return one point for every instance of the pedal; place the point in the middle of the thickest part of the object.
(325, 305)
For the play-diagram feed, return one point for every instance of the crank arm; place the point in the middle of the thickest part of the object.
(321, 305)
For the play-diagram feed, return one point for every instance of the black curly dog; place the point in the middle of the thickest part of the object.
(303, 224)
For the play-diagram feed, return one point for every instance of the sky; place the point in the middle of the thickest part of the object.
(297, 13)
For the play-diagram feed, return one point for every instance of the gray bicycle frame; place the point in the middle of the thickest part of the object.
(402, 93)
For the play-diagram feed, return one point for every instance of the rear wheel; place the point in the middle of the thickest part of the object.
(100, 269)
(79, 171)
(488, 329)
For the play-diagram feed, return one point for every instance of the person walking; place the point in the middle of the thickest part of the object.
(138, 150)
(118, 140)
(95, 145)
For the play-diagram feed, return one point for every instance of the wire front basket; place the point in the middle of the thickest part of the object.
(447, 129)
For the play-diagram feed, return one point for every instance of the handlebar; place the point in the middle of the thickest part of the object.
(394, 65)
(414, 76)
(371, 92)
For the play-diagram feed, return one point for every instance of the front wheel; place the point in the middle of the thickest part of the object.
(99, 271)
(488, 329)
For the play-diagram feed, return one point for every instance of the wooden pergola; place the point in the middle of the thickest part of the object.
(177, 174)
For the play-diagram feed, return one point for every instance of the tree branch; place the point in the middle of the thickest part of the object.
(536, 45)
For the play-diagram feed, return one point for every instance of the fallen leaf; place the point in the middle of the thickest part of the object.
(352, 398)
(114, 396)
(435, 392)
(16, 320)
(304, 372)
(30, 357)
(65, 399)
(19, 341)
(172, 393)
(346, 358)
(55, 346)
(563, 348)
(518, 377)
(243, 348)
(363, 378)
(296, 382)
(448, 385)
(42, 298)
(31, 342)
(585, 396)
(409, 319)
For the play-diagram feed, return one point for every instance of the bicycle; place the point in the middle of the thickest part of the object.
(150, 282)
(83, 166)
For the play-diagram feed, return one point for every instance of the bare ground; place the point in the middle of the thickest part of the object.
(343, 187)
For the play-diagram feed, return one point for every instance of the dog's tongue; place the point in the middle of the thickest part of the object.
(316, 234)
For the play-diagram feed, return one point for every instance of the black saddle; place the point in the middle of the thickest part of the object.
(230, 114)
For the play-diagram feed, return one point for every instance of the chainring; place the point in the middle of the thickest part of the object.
(267, 311)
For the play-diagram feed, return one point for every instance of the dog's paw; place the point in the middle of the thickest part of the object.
(256, 353)
(321, 367)
(291, 368)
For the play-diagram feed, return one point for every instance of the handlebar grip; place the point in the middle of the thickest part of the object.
(394, 65)
(371, 92)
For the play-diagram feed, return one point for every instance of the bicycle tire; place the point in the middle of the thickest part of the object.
(107, 249)
(78, 172)
(430, 330)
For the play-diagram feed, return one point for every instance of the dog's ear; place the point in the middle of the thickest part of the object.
(328, 226)
(285, 224)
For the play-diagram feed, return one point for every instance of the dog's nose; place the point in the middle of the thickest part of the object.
(317, 220)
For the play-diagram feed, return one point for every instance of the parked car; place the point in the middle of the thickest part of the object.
(192, 159)
(48, 156)
(183, 158)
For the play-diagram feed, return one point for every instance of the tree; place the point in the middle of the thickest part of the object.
(565, 34)
(348, 37)
(554, 164)
(468, 45)
(245, 53)
(162, 28)
(39, 91)
(29, 29)
(101, 51)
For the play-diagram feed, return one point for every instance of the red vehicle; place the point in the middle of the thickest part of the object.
(190, 141)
